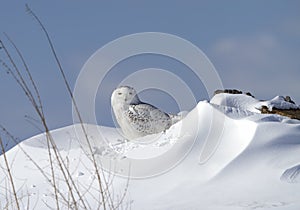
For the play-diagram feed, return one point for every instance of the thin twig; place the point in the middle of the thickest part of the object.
(30, 158)
(38, 108)
(73, 100)
(27, 71)
(17, 75)
(9, 174)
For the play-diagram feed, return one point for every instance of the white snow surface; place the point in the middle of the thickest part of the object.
(245, 102)
(256, 164)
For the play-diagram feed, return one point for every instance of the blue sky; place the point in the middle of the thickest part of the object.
(254, 46)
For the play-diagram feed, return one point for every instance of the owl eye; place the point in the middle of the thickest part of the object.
(119, 93)
(130, 93)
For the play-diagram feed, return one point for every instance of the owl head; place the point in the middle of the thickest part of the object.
(124, 95)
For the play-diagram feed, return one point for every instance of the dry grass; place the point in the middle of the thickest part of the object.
(11, 180)
(76, 199)
(291, 113)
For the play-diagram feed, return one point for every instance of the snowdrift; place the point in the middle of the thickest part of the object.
(222, 155)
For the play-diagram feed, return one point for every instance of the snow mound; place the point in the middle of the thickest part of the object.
(245, 102)
(222, 155)
(279, 103)
(292, 175)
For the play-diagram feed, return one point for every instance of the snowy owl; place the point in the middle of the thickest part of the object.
(136, 118)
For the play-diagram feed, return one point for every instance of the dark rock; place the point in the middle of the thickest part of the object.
(288, 99)
(264, 110)
(249, 94)
(218, 92)
(232, 91)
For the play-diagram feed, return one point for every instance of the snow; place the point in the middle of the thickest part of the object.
(279, 103)
(292, 175)
(222, 155)
(245, 102)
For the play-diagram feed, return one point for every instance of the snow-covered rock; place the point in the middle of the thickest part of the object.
(246, 102)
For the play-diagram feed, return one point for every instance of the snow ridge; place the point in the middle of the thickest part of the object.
(255, 163)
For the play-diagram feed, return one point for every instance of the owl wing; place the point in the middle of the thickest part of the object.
(148, 119)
